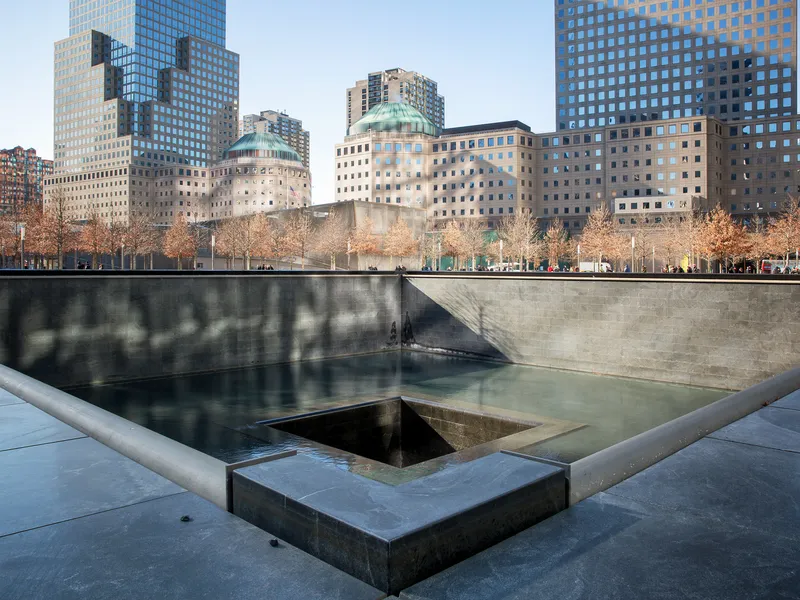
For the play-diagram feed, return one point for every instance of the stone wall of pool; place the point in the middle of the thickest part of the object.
(69, 329)
(714, 331)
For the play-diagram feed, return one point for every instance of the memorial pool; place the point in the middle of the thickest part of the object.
(218, 413)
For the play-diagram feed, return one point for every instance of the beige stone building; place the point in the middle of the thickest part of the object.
(259, 173)
(395, 155)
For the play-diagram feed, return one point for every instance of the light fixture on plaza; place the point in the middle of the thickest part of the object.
(213, 245)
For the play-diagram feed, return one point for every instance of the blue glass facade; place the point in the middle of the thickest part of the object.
(628, 61)
(144, 35)
(151, 78)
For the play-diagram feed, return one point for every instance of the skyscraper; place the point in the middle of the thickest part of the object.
(629, 61)
(396, 85)
(279, 123)
(140, 85)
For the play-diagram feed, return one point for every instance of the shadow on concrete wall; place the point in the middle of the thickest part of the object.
(456, 321)
(76, 330)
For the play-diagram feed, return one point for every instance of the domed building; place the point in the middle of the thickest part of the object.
(395, 155)
(394, 117)
(259, 173)
(383, 156)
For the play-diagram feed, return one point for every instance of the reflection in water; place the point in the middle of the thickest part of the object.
(217, 413)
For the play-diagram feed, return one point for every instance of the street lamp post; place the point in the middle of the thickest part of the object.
(213, 245)
(633, 253)
(22, 246)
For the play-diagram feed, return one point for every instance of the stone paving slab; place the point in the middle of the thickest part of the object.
(791, 401)
(736, 483)
(46, 484)
(145, 551)
(717, 520)
(776, 428)
(24, 425)
(611, 547)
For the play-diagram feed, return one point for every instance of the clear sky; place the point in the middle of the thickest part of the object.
(493, 62)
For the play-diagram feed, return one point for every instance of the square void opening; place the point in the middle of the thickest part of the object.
(401, 432)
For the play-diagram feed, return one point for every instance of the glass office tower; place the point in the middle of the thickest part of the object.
(629, 61)
(144, 81)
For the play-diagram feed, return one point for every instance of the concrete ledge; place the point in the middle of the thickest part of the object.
(189, 468)
(608, 467)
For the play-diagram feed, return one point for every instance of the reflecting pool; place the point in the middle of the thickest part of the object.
(219, 413)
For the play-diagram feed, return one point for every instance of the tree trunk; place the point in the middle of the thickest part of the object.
(94, 260)
(151, 261)
(180, 264)
(333, 262)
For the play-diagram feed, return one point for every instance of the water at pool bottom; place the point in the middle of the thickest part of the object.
(216, 413)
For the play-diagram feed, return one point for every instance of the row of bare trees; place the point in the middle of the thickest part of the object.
(712, 237)
(715, 236)
(49, 236)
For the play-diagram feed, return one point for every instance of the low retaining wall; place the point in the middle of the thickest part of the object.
(608, 467)
(69, 329)
(718, 332)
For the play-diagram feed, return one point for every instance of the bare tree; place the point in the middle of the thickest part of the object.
(644, 234)
(473, 235)
(363, 241)
(600, 238)
(249, 231)
(720, 237)
(399, 241)
(784, 233)
(115, 240)
(331, 237)
(557, 243)
(179, 243)
(453, 242)
(521, 238)
(59, 227)
(298, 231)
(429, 247)
(267, 237)
(229, 240)
(138, 233)
(94, 237)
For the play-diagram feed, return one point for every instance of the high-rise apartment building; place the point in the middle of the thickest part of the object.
(279, 123)
(140, 85)
(634, 61)
(395, 85)
(22, 175)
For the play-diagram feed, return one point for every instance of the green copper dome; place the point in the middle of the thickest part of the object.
(394, 116)
(261, 145)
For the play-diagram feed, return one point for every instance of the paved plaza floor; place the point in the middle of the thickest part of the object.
(79, 520)
(720, 519)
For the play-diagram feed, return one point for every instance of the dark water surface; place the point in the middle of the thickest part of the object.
(217, 413)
